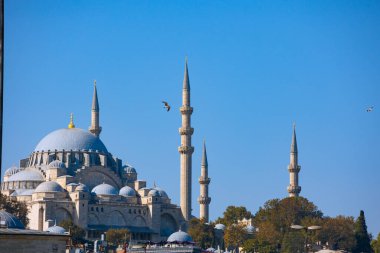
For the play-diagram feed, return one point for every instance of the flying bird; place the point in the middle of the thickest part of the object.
(369, 109)
(166, 105)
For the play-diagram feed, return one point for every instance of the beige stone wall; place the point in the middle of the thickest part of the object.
(31, 243)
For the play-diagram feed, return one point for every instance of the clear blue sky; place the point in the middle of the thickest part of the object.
(255, 68)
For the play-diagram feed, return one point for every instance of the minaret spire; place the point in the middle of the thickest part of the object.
(294, 189)
(95, 129)
(186, 150)
(204, 200)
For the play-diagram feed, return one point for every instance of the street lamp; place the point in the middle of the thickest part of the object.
(306, 229)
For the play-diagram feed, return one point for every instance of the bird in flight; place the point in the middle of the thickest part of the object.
(369, 109)
(166, 105)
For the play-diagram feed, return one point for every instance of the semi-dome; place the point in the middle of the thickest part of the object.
(220, 227)
(27, 175)
(104, 189)
(82, 188)
(11, 171)
(154, 193)
(70, 139)
(10, 220)
(56, 230)
(57, 164)
(22, 192)
(180, 236)
(49, 186)
(161, 192)
(127, 191)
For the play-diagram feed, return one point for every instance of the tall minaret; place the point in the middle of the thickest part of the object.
(186, 150)
(204, 200)
(294, 189)
(95, 129)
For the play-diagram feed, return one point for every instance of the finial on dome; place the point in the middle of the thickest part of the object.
(71, 124)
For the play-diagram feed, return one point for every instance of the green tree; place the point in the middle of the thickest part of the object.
(375, 244)
(339, 233)
(17, 208)
(234, 236)
(293, 241)
(233, 214)
(77, 233)
(201, 232)
(117, 236)
(363, 242)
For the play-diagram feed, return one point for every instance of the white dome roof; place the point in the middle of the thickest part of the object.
(11, 221)
(180, 236)
(11, 171)
(161, 192)
(105, 189)
(220, 227)
(154, 193)
(250, 229)
(57, 164)
(71, 139)
(56, 230)
(127, 192)
(27, 175)
(49, 186)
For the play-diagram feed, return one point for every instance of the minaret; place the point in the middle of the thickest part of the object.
(294, 189)
(204, 200)
(95, 129)
(186, 150)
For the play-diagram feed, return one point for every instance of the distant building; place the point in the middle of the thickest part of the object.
(71, 175)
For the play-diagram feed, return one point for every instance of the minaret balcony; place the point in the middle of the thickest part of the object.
(203, 180)
(294, 169)
(204, 200)
(186, 131)
(185, 149)
(292, 189)
(186, 109)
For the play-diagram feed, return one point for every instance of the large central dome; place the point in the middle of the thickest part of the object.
(70, 139)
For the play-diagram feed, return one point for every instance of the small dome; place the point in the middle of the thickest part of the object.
(220, 227)
(129, 169)
(82, 188)
(210, 250)
(250, 229)
(127, 192)
(49, 186)
(11, 171)
(154, 193)
(70, 139)
(57, 165)
(161, 192)
(104, 189)
(56, 230)
(10, 220)
(180, 236)
(27, 175)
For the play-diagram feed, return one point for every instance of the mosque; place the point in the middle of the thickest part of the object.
(71, 175)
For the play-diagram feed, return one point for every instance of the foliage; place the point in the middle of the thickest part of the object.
(201, 232)
(17, 208)
(117, 236)
(338, 233)
(77, 233)
(375, 244)
(293, 241)
(234, 236)
(233, 214)
(363, 242)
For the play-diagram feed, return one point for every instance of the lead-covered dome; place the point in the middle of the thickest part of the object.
(180, 236)
(49, 186)
(56, 230)
(27, 175)
(70, 139)
(127, 191)
(220, 226)
(10, 220)
(11, 171)
(104, 189)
